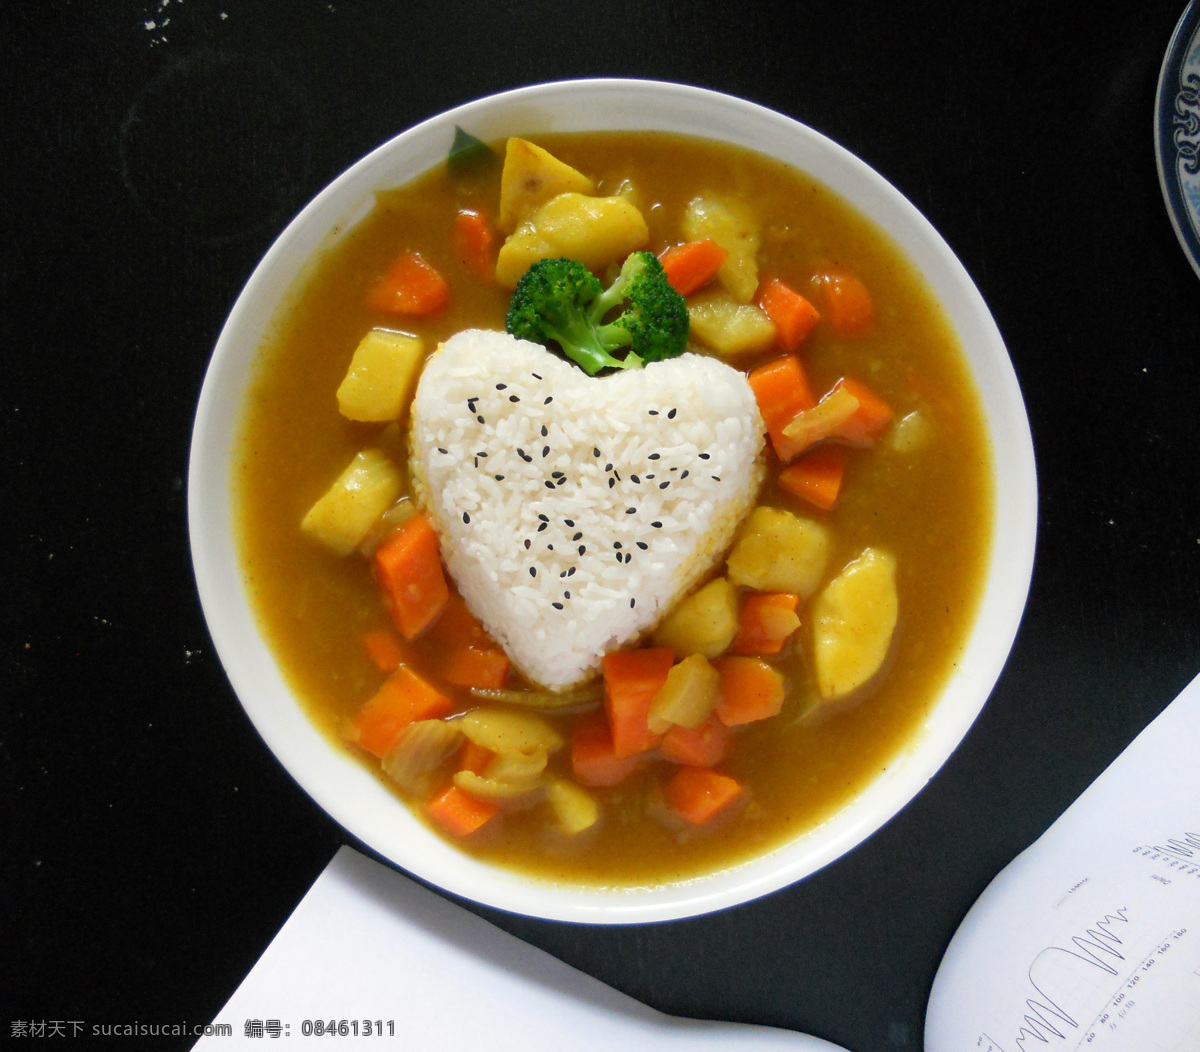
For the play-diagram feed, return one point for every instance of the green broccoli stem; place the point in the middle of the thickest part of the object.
(582, 343)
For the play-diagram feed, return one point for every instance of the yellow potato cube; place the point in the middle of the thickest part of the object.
(379, 383)
(594, 230)
(730, 328)
(530, 177)
(574, 807)
(777, 551)
(688, 696)
(703, 623)
(349, 508)
(733, 226)
(853, 621)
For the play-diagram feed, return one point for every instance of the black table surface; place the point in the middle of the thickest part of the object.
(154, 149)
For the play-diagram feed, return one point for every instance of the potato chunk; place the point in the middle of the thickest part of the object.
(379, 383)
(343, 517)
(703, 623)
(777, 551)
(594, 230)
(733, 226)
(853, 621)
(730, 328)
(574, 807)
(530, 177)
(502, 730)
(688, 696)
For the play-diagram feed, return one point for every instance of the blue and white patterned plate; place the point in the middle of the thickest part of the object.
(1177, 131)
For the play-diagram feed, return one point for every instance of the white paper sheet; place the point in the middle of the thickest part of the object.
(1090, 939)
(370, 948)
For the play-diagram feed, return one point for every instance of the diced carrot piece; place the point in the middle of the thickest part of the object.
(631, 679)
(817, 476)
(764, 623)
(410, 573)
(700, 746)
(692, 265)
(750, 690)
(781, 390)
(698, 794)
(475, 243)
(475, 667)
(456, 626)
(848, 304)
(869, 420)
(403, 698)
(592, 759)
(474, 757)
(411, 286)
(793, 315)
(459, 813)
(385, 649)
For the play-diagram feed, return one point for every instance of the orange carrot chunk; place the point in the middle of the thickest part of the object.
(850, 413)
(631, 679)
(475, 667)
(848, 304)
(592, 759)
(692, 265)
(817, 476)
(782, 392)
(474, 758)
(698, 794)
(793, 315)
(403, 698)
(411, 286)
(459, 813)
(869, 420)
(475, 243)
(750, 690)
(385, 649)
(765, 622)
(700, 746)
(410, 574)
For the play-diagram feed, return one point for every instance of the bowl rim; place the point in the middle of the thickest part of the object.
(341, 785)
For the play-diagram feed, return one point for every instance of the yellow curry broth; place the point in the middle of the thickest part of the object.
(931, 507)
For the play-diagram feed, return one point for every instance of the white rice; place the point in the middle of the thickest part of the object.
(549, 556)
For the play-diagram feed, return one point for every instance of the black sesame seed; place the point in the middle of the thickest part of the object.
(562, 573)
(608, 467)
(674, 469)
(635, 479)
(545, 431)
(649, 476)
(643, 545)
(541, 527)
(685, 473)
(548, 400)
(482, 453)
(544, 518)
(631, 603)
(566, 595)
(595, 451)
(513, 398)
(628, 556)
(533, 571)
(499, 478)
(577, 536)
(671, 415)
(616, 544)
(618, 556)
(655, 456)
(557, 606)
(630, 511)
(477, 462)
(549, 547)
(545, 451)
(654, 412)
(704, 456)
(561, 482)
(611, 483)
(535, 376)
(571, 571)
(569, 522)
(556, 474)
(549, 484)
(617, 475)
(481, 420)
(582, 548)
(664, 485)
(528, 543)
(656, 524)
(466, 517)
(443, 451)
(501, 387)
(716, 478)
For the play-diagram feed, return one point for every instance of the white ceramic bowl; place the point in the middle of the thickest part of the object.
(344, 788)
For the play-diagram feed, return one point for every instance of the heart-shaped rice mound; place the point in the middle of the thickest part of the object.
(573, 511)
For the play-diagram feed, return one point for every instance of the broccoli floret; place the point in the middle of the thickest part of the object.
(561, 300)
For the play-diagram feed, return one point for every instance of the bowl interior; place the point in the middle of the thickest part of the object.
(345, 789)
